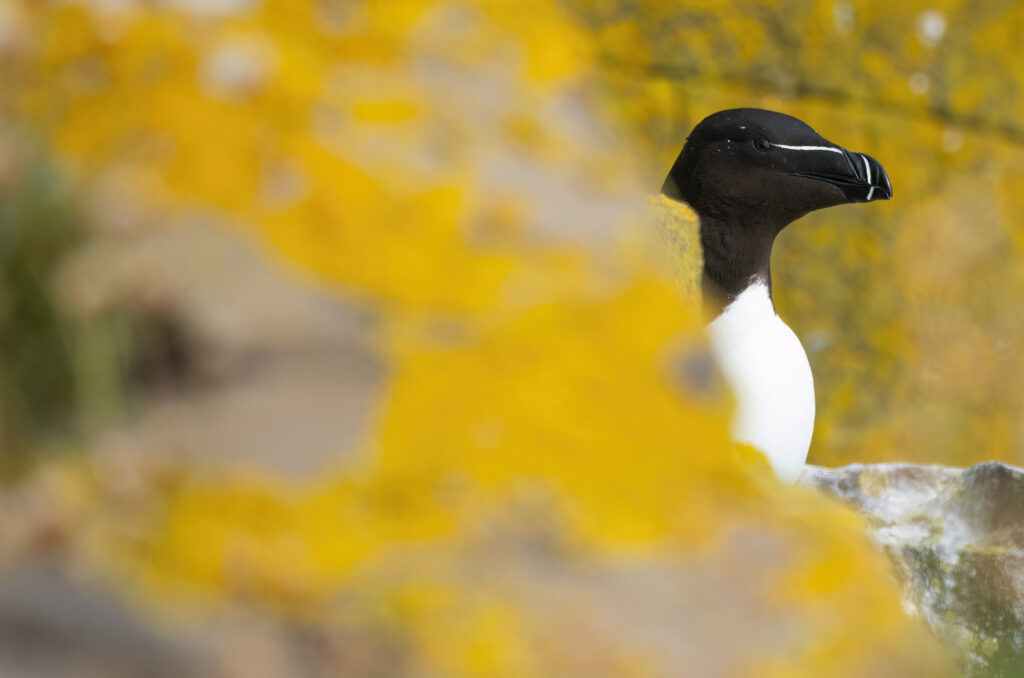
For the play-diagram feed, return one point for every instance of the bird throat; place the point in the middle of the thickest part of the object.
(736, 256)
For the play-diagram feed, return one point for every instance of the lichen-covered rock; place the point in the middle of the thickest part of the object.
(680, 229)
(956, 538)
(538, 493)
(236, 361)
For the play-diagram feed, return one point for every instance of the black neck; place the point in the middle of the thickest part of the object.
(736, 255)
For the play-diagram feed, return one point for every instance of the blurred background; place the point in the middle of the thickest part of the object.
(906, 310)
(334, 335)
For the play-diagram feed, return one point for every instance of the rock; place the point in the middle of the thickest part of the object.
(233, 358)
(54, 626)
(956, 538)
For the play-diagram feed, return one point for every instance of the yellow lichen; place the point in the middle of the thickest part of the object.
(456, 167)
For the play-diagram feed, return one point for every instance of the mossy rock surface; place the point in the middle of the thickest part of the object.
(956, 539)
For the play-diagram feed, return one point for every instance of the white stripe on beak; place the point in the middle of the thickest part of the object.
(809, 148)
(867, 171)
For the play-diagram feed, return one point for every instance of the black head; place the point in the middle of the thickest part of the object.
(748, 173)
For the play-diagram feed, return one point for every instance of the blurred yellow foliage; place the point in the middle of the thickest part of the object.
(447, 164)
(908, 365)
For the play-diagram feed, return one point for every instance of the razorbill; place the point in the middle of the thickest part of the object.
(748, 173)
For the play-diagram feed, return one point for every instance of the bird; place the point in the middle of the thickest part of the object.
(748, 173)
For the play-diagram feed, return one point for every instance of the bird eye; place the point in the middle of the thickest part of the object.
(762, 144)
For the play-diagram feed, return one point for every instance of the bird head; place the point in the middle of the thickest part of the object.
(769, 168)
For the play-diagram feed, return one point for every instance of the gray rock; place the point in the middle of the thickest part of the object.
(232, 357)
(53, 626)
(956, 539)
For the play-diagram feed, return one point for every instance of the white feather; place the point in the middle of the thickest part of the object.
(767, 370)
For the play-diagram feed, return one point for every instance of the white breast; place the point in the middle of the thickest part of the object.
(767, 370)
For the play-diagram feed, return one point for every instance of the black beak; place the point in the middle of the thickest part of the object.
(863, 180)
